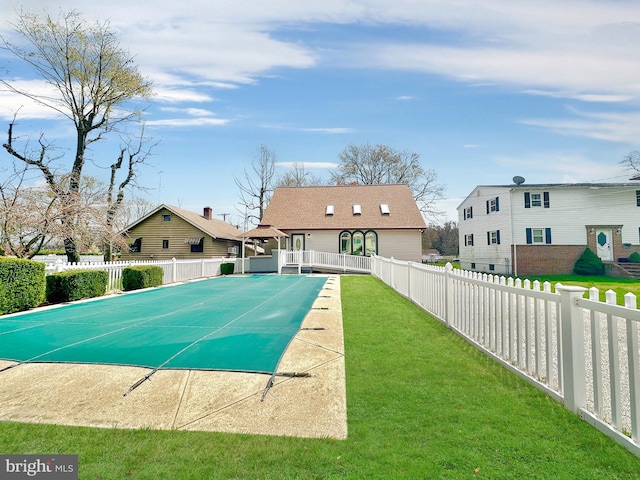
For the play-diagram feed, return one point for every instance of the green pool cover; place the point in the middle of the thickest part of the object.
(236, 323)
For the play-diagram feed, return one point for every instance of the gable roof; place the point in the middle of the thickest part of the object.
(306, 207)
(214, 228)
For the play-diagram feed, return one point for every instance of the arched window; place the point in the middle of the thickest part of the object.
(345, 242)
(358, 243)
(371, 243)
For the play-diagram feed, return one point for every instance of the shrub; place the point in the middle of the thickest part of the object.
(22, 284)
(76, 284)
(634, 257)
(588, 264)
(141, 276)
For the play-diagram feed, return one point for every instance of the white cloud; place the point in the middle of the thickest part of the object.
(561, 167)
(621, 127)
(187, 122)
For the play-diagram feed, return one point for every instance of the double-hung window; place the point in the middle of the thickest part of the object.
(468, 240)
(493, 238)
(538, 235)
(532, 200)
(493, 205)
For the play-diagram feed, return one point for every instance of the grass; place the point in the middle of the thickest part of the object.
(422, 403)
(621, 286)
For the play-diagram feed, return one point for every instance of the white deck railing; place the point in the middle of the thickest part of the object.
(335, 261)
(582, 352)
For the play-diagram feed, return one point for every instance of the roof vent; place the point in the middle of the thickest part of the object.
(384, 209)
(357, 210)
(329, 210)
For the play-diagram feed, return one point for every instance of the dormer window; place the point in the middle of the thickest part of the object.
(384, 209)
(329, 210)
(357, 210)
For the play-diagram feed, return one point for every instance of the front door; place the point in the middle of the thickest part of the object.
(297, 241)
(603, 244)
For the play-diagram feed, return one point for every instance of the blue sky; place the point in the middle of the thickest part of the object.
(482, 90)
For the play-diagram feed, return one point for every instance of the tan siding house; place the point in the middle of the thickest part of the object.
(170, 232)
(352, 219)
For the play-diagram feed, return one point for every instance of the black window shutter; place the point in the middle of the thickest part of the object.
(547, 233)
(545, 197)
(497, 205)
(527, 200)
(471, 238)
(498, 237)
(487, 206)
(529, 236)
(465, 241)
(470, 212)
(488, 238)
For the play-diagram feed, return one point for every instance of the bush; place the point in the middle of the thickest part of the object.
(634, 257)
(21, 284)
(76, 284)
(226, 268)
(588, 264)
(141, 276)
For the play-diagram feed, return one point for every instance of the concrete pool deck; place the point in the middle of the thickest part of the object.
(311, 406)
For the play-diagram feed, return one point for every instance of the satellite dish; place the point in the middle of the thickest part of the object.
(518, 180)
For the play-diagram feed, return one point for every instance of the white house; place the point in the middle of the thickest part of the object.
(543, 229)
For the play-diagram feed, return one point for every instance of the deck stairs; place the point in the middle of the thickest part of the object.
(632, 270)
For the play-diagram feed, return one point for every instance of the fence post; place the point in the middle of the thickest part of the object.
(174, 270)
(448, 293)
(572, 331)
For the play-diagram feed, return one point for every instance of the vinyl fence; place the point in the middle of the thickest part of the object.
(174, 270)
(581, 351)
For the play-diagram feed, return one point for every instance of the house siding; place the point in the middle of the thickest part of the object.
(154, 230)
(399, 244)
(570, 218)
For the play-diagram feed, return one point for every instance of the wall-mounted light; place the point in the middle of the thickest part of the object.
(592, 231)
(618, 231)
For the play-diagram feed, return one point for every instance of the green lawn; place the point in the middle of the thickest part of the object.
(422, 403)
(619, 285)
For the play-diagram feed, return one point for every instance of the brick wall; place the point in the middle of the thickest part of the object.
(546, 259)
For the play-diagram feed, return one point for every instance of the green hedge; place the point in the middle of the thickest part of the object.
(76, 284)
(141, 276)
(22, 284)
(588, 264)
(634, 257)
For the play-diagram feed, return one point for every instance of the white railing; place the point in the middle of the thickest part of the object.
(174, 270)
(582, 352)
(336, 261)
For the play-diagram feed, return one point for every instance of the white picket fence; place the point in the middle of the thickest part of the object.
(581, 351)
(174, 270)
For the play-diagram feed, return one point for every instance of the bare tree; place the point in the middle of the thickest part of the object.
(298, 177)
(632, 164)
(381, 164)
(256, 188)
(28, 213)
(94, 79)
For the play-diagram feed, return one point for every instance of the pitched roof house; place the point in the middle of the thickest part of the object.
(170, 232)
(543, 229)
(352, 219)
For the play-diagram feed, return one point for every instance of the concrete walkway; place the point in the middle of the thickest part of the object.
(92, 395)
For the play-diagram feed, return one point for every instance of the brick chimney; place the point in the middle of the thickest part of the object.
(208, 213)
